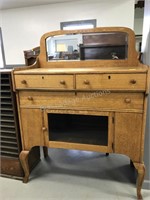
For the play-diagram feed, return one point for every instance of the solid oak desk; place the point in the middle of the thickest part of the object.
(95, 105)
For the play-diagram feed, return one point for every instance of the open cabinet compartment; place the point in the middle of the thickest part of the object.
(74, 128)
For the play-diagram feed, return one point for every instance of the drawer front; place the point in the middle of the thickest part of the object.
(111, 81)
(44, 99)
(110, 101)
(114, 101)
(44, 81)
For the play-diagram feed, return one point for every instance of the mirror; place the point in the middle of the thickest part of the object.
(88, 46)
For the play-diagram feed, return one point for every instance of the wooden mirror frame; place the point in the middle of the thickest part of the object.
(132, 58)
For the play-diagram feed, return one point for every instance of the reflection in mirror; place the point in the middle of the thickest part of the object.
(88, 46)
(63, 47)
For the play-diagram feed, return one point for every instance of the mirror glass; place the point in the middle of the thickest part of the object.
(87, 46)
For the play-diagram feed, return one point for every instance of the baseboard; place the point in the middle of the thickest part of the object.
(146, 184)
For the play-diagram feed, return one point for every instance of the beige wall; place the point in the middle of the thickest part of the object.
(138, 21)
(22, 28)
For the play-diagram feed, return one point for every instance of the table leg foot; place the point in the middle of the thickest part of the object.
(141, 173)
(25, 165)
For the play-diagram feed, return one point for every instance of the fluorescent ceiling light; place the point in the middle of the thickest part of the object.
(72, 27)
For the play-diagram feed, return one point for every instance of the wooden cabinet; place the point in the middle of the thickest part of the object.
(10, 132)
(10, 137)
(95, 105)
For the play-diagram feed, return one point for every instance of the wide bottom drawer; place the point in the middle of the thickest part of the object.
(88, 100)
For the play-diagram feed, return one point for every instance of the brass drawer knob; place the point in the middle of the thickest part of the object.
(30, 98)
(86, 82)
(133, 81)
(127, 100)
(44, 128)
(24, 82)
(62, 82)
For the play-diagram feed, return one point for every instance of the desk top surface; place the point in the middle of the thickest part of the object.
(140, 69)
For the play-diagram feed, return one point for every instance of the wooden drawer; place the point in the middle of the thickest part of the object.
(110, 101)
(44, 99)
(91, 100)
(44, 81)
(111, 81)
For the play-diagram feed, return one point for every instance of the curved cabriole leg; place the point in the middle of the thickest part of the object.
(45, 152)
(141, 173)
(25, 165)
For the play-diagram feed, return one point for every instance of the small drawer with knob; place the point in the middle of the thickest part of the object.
(111, 82)
(44, 99)
(55, 82)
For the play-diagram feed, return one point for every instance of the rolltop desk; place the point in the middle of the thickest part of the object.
(87, 90)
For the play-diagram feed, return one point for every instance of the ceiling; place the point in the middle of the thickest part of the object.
(9, 4)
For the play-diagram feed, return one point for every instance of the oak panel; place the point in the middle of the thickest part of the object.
(32, 124)
(128, 132)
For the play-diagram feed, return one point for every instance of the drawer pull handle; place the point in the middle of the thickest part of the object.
(127, 100)
(30, 98)
(24, 82)
(44, 128)
(86, 82)
(62, 82)
(133, 81)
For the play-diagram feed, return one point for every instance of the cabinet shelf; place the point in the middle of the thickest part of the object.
(6, 97)
(9, 153)
(5, 91)
(9, 145)
(8, 116)
(9, 150)
(6, 109)
(8, 138)
(7, 133)
(8, 112)
(6, 141)
(5, 85)
(6, 103)
(7, 120)
(83, 129)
